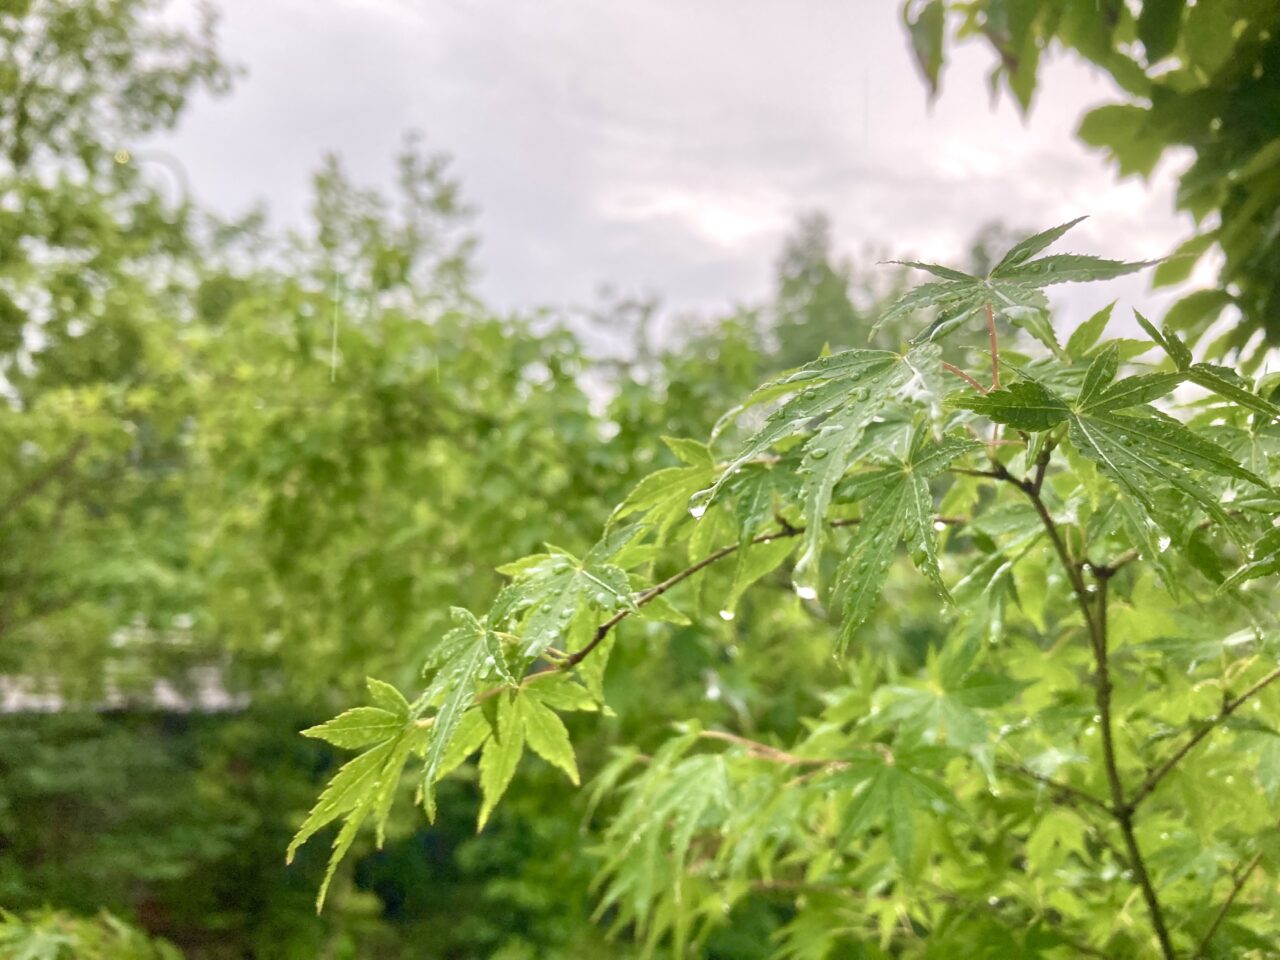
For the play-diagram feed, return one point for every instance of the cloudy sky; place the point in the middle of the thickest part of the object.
(665, 146)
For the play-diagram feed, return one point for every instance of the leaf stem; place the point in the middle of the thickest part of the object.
(953, 369)
(1206, 727)
(763, 751)
(995, 349)
(657, 590)
(1241, 879)
(1066, 790)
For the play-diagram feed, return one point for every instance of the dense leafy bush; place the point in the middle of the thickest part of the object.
(1090, 733)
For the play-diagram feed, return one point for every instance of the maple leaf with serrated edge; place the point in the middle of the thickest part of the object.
(898, 504)
(1011, 289)
(550, 590)
(473, 651)
(891, 788)
(1223, 381)
(365, 786)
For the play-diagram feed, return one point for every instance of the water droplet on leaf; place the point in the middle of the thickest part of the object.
(805, 592)
(726, 615)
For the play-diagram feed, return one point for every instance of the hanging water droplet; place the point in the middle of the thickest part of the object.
(698, 503)
(1097, 718)
(1091, 588)
(726, 615)
(805, 592)
(993, 901)
(1163, 544)
(939, 526)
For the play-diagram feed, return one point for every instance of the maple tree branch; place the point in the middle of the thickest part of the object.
(1095, 617)
(1065, 789)
(1122, 811)
(38, 483)
(1206, 727)
(652, 593)
(763, 751)
(1241, 879)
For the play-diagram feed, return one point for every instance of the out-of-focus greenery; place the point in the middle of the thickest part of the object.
(47, 935)
(1198, 76)
(247, 469)
(255, 467)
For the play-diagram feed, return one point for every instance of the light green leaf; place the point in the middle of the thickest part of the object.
(357, 727)
(387, 697)
(468, 737)
(547, 596)
(470, 642)
(1070, 268)
(546, 735)
(1024, 250)
(861, 575)
(1087, 334)
(754, 562)
(1024, 404)
(500, 757)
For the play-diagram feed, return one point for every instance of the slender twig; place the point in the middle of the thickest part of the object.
(1123, 811)
(763, 751)
(38, 483)
(1095, 617)
(1241, 879)
(995, 348)
(1205, 728)
(1065, 789)
(953, 369)
(651, 594)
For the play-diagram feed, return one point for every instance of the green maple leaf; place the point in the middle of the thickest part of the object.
(550, 590)
(1012, 288)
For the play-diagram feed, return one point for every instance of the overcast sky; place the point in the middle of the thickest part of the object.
(665, 146)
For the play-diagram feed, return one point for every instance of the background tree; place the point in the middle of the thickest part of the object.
(1204, 76)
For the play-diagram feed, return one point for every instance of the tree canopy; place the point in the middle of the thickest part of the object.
(874, 618)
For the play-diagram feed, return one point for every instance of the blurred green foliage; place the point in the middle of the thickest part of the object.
(258, 467)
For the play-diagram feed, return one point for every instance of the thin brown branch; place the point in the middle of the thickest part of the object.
(649, 595)
(953, 369)
(39, 482)
(764, 751)
(1095, 616)
(1122, 812)
(1057, 786)
(1241, 879)
(1206, 727)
